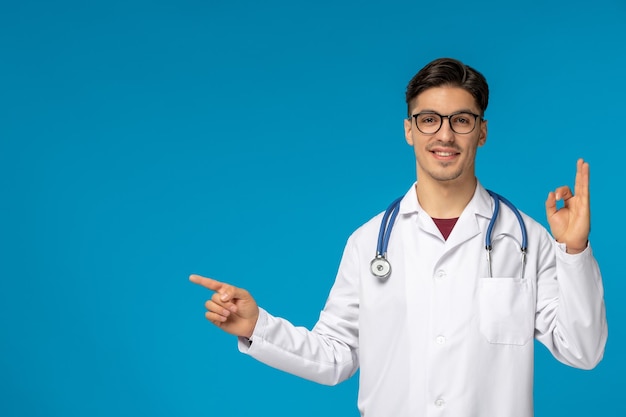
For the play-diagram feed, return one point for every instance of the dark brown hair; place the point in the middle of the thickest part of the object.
(449, 72)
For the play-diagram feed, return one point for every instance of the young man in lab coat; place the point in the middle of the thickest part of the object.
(442, 334)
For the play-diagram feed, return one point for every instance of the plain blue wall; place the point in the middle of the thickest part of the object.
(141, 141)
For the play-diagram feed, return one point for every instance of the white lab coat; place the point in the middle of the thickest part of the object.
(439, 337)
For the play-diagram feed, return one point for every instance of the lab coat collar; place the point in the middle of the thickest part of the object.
(409, 203)
(481, 202)
(466, 227)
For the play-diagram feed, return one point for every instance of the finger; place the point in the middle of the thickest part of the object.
(226, 292)
(217, 299)
(215, 318)
(581, 185)
(206, 282)
(217, 309)
(563, 193)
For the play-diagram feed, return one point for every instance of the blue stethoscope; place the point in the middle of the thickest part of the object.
(380, 265)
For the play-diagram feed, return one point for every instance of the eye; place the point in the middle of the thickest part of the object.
(429, 119)
(462, 119)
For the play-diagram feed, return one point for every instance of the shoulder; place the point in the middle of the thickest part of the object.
(368, 231)
(365, 237)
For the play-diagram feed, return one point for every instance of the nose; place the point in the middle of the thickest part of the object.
(445, 132)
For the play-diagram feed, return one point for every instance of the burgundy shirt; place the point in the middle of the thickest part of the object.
(445, 226)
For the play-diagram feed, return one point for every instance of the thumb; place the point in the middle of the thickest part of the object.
(551, 204)
(230, 292)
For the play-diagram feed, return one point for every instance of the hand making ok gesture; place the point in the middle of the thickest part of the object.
(571, 223)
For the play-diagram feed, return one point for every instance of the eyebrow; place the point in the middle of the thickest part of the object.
(465, 110)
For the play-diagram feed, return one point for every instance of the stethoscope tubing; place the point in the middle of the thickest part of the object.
(381, 267)
(497, 198)
(386, 225)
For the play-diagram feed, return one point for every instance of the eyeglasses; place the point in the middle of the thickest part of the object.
(429, 123)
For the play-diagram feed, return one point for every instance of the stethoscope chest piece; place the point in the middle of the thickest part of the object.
(380, 267)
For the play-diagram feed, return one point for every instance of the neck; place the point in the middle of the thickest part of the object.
(442, 200)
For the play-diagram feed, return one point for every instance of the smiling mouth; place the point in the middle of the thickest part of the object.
(444, 154)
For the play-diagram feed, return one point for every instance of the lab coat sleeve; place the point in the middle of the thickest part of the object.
(571, 316)
(327, 354)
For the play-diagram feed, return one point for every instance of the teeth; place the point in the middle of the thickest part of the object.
(444, 153)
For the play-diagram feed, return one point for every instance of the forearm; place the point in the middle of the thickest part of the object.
(575, 320)
(312, 355)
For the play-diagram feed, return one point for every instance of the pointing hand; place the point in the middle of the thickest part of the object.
(230, 308)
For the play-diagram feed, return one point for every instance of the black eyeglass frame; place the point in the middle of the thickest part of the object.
(441, 117)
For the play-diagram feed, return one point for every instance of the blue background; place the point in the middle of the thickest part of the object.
(142, 141)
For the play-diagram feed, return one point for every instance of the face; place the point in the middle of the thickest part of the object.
(445, 156)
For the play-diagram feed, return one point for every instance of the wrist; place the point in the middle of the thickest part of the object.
(253, 321)
(573, 250)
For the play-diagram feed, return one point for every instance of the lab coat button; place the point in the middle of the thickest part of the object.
(441, 340)
(440, 402)
(440, 275)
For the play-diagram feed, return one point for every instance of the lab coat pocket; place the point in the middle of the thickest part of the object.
(506, 313)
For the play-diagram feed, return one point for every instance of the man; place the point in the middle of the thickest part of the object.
(448, 332)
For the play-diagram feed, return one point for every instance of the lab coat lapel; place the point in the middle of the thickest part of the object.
(464, 229)
(410, 206)
(469, 223)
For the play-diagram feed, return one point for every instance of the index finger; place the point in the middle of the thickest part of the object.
(581, 186)
(209, 283)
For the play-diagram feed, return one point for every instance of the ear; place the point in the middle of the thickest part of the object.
(408, 125)
(482, 138)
